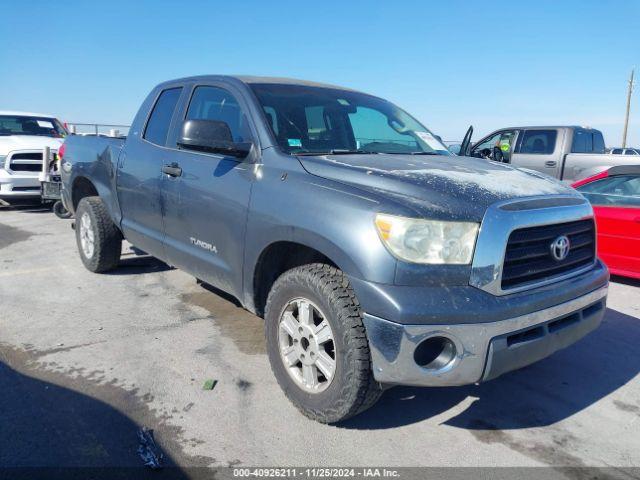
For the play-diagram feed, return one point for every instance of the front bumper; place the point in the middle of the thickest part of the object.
(482, 350)
(19, 185)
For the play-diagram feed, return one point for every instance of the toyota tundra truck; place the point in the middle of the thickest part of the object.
(375, 257)
(23, 137)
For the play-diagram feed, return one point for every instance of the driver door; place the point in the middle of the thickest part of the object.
(206, 203)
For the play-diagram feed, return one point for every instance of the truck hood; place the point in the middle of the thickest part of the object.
(446, 187)
(27, 142)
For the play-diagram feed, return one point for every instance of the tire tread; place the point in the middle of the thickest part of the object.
(360, 390)
(108, 238)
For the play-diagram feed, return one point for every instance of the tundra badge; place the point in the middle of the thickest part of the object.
(207, 246)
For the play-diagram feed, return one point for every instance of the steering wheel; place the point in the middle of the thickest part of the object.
(497, 154)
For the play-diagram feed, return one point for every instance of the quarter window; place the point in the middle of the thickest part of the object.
(160, 119)
(540, 142)
(213, 103)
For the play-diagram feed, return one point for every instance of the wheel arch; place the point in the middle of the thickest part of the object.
(274, 257)
(82, 187)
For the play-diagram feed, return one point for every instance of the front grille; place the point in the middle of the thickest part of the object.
(528, 256)
(26, 167)
(27, 156)
(26, 189)
(26, 162)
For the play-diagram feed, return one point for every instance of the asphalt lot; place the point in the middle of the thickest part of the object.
(87, 359)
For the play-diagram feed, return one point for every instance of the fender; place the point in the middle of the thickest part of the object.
(101, 174)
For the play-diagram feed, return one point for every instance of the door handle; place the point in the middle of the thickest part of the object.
(550, 163)
(173, 170)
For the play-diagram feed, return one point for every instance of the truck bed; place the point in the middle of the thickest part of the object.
(96, 158)
(582, 165)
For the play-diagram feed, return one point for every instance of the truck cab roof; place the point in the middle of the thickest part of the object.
(249, 79)
(546, 127)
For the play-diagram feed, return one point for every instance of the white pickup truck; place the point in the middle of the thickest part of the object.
(23, 137)
(568, 153)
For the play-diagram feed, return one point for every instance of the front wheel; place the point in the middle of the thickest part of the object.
(317, 344)
(99, 240)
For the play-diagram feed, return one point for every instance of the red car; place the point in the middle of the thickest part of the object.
(615, 196)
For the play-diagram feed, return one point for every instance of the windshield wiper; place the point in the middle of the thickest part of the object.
(411, 153)
(344, 151)
(337, 151)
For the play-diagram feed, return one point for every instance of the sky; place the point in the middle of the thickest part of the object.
(451, 64)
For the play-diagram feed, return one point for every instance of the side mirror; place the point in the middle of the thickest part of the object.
(211, 136)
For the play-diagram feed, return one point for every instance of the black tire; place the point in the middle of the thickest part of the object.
(60, 211)
(107, 239)
(353, 388)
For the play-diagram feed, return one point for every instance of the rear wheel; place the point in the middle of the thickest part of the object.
(99, 240)
(60, 211)
(317, 344)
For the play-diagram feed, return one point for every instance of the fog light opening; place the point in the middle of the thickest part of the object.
(435, 353)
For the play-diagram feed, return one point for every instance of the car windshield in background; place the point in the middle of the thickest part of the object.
(318, 120)
(26, 125)
(619, 191)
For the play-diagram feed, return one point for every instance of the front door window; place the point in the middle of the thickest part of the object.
(497, 147)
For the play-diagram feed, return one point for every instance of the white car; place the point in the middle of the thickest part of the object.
(23, 137)
(624, 151)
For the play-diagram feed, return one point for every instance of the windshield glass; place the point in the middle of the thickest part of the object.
(26, 125)
(317, 120)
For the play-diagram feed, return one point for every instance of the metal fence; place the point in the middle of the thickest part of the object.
(106, 129)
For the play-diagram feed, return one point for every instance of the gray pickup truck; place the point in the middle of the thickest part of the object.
(375, 256)
(568, 153)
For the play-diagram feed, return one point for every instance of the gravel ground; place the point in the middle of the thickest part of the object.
(87, 359)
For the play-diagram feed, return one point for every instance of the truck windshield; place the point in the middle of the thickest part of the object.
(27, 125)
(318, 120)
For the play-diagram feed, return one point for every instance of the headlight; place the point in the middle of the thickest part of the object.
(428, 241)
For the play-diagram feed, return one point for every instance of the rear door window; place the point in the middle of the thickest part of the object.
(598, 143)
(538, 142)
(160, 119)
(582, 141)
(587, 141)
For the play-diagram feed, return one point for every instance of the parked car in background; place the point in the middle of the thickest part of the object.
(453, 147)
(375, 255)
(624, 151)
(568, 153)
(615, 196)
(23, 136)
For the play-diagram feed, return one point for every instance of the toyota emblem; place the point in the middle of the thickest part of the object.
(560, 248)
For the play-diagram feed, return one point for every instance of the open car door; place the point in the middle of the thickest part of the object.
(465, 146)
